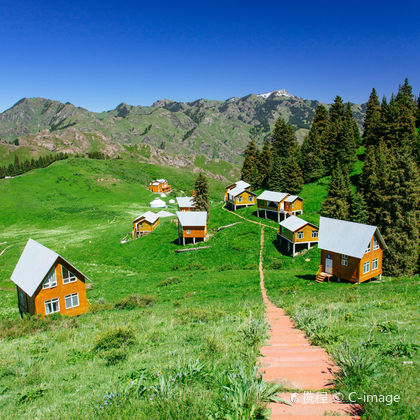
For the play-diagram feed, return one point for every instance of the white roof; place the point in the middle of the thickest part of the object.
(185, 201)
(157, 202)
(164, 213)
(192, 218)
(161, 180)
(291, 198)
(34, 264)
(149, 216)
(241, 184)
(293, 223)
(272, 196)
(346, 238)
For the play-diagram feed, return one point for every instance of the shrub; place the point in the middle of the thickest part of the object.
(169, 281)
(400, 349)
(136, 301)
(275, 265)
(32, 394)
(250, 267)
(113, 356)
(100, 305)
(387, 327)
(225, 267)
(199, 314)
(114, 338)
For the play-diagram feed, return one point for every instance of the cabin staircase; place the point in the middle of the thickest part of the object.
(321, 276)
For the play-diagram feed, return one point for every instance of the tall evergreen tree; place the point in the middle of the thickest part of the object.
(358, 209)
(337, 109)
(312, 154)
(284, 140)
(371, 123)
(249, 167)
(264, 165)
(337, 203)
(201, 188)
(275, 181)
(291, 176)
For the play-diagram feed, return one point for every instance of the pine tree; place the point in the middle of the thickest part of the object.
(371, 123)
(337, 110)
(358, 209)
(312, 159)
(291, 176)
(337, 203)
(249, 167)
(264, 165)
(284, 140)
(275, 181)
(201, 198)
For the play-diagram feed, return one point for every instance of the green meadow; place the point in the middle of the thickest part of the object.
(176, 335)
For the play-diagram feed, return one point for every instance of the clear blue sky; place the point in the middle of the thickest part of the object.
(97, 54)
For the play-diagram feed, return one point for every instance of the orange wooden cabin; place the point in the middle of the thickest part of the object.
(186, 203)
(160, 186)
(297, 234)
(192, 226)
(145, 224)
(349, 251)
(47, 283)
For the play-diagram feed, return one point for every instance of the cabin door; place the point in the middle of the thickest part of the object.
(328, 265)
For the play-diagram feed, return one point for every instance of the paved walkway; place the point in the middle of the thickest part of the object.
(290, 360)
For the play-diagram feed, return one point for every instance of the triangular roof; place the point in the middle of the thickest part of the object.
(34, 264)
(185, 201)
(149, 216)
(292, 198)
(242, 184)
(238, 190)
(192, 218)
(346, 238)
(274, 196)
(294, 223)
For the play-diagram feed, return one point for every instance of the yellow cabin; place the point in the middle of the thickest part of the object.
(349, 251)
(160, 186)
(46, 283)
(145, 224)
(238, 197)
(297, 234)
(238, 184)
(293, 205)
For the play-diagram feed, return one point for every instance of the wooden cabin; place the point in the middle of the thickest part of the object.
(272, 204)
(297, 234)
(186, 203)
(47, 283)
(349, 251)
(293, 204)
(238, 184)
(192, 226)
(145, 224)
(240, 197)
(160, 186)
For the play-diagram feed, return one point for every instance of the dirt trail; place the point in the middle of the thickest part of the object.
(290, 360)
(250, 221)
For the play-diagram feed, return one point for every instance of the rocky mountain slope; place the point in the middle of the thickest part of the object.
(215, 129)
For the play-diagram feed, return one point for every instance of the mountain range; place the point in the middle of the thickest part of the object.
(168, 131)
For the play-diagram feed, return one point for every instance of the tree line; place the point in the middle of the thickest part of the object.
(19, 167)
(385, 194)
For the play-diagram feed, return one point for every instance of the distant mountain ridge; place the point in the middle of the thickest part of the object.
(210, 128)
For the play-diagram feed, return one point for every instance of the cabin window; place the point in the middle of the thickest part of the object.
(375, 244)
(344, 260)
(375, 264)
(250, 198)
(51, 280)
(299, 235)
(52, 306)
(68, 276)
(188, 231)
(239, 199)
(366, 267)
(71, 300)
(314, 234)
(140, 225)
(367, 248)
(22, 298)
(293, 205)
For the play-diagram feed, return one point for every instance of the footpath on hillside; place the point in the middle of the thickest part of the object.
(290, 360)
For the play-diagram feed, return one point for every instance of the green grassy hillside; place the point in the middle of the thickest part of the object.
(185, 346)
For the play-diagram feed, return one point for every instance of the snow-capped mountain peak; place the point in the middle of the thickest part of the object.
(281, 92)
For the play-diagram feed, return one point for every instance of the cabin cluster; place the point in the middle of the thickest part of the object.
(47, 283)
(349, 251)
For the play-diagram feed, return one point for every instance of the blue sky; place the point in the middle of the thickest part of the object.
(97, 54)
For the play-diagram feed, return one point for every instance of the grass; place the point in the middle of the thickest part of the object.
(176, 335)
